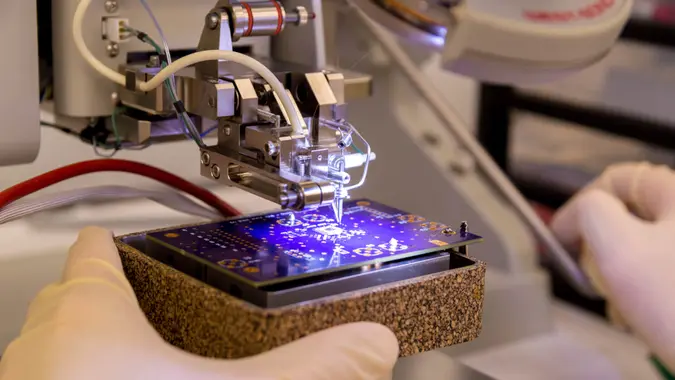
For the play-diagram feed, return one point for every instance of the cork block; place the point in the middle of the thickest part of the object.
(425, 313)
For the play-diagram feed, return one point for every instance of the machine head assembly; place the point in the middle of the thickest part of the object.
(298, 165)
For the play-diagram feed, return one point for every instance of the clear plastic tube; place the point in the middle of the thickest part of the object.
(365, 165)
(185, 119)
(165, 43)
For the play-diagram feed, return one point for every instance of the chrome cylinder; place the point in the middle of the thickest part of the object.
(313, 195)
(265, 18)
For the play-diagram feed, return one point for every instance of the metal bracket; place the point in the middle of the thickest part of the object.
(218, 38)
(264, 180)
(130, 77)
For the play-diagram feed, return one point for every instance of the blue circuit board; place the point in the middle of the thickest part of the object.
(273, 248)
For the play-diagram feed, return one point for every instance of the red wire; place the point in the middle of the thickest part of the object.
(45, 180)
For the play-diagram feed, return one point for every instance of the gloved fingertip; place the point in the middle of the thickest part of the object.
(93, 243)
(94, 232)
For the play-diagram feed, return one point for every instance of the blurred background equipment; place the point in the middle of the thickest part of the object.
(553, 139)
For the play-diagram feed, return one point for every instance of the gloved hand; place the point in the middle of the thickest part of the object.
(89, 326)
(625, 223)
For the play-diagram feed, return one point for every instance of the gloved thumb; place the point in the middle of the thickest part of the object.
(94, 256)
(93, 268)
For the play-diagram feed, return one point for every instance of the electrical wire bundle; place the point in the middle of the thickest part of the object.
(170, 84)
(96, 134)
(13, 206)
(169, 71)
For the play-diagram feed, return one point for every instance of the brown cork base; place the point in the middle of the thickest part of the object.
(425, 313)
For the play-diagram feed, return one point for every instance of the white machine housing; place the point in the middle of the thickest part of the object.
(528, 41)
(20, 131)
(512, 42)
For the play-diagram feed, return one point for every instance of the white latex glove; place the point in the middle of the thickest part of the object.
(89, 326)
(625, 223)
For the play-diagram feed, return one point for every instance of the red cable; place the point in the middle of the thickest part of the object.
(45, 180)
(280, 18)
(250, 19)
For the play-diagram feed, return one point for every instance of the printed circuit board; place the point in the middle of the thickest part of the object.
(273, 248)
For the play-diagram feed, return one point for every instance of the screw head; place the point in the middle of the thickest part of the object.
(111, 6)
(113, 49)
(344, 141)
(213, 20)
(215, 171)
(227, 131)
(206, 158)
(272, 148)
(154, 61)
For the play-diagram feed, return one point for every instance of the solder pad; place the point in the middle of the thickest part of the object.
(273, 248)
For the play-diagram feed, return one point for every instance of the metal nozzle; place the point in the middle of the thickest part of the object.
(337, 209)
